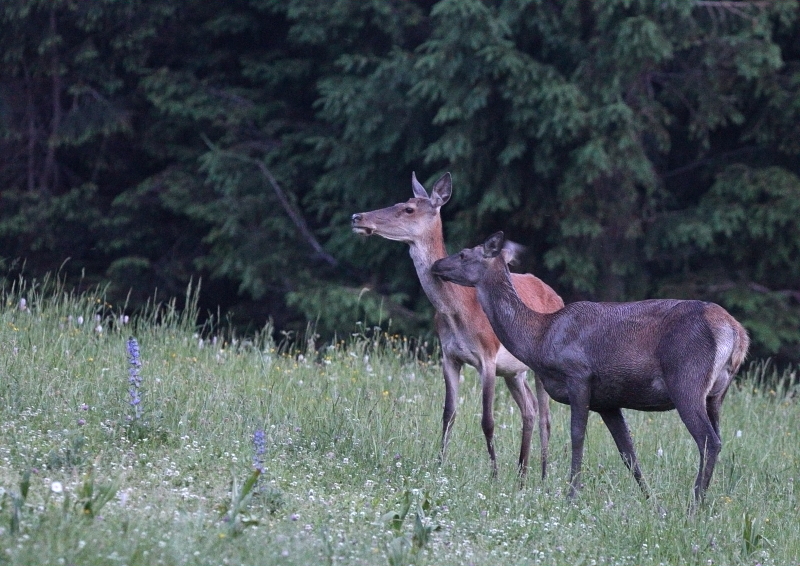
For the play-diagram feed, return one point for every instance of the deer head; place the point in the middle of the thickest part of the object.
(407, 221)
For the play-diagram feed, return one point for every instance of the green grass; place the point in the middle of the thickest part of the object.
(350, 472)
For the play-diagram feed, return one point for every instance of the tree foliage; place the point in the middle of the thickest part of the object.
(639, 149)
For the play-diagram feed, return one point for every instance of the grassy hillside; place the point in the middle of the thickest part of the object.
(350, 441)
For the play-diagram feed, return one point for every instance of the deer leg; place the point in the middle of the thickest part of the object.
(487, 417)
(579, 416)
(615, 421)
(713, 405)
(451, 370)
(526, 402)
(700, 425)
(543, 402)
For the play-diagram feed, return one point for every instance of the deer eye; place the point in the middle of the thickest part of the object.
(409, 210)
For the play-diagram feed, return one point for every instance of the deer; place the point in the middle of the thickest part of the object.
(652, 355)
(464, 332)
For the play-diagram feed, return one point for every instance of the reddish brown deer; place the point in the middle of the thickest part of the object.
(654, 355)
(464, 332)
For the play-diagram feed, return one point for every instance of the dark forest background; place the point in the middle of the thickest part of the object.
(638, 148)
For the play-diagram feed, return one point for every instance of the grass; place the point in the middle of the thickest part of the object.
(348, 472)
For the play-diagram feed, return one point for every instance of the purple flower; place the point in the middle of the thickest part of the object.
(134, 379)
(260, 448)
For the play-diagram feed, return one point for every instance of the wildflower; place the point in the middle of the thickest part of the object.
(56, 487)
(134, 379)
(260, 447)
(23, 304)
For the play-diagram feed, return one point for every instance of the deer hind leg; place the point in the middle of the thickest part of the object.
(451, 370)
(697, 389)
(702, 428)
(713, 405)
(518, 386)
(615, 421)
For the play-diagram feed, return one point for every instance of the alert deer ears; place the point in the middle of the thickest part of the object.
(416, 186)
(493, 246)
(496, 245)
(512, 252)
(442, 189)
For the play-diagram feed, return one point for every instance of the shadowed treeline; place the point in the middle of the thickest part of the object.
(637, 149)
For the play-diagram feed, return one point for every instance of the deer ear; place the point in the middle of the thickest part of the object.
(493, 245)
(416, 186)
(512, 251)
(442, 190)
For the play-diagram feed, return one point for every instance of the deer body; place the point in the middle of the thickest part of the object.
(465, 333)
(654, 355)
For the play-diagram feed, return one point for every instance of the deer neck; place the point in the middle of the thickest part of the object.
(445, 297)
(519, 328)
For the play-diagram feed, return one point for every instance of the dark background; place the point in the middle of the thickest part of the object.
(639, 149)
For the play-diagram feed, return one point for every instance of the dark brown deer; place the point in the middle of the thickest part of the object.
(465, 334)
(654, 355)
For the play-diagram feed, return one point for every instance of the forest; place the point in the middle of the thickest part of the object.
(637, 149)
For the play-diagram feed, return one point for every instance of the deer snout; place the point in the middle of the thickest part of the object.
(358, 227)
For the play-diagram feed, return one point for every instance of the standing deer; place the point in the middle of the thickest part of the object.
(654, 355)
(464, 331)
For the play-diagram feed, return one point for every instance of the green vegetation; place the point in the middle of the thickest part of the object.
(346, 469)
(639, 149)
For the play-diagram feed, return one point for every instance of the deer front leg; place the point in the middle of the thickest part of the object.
(451, 370)
(488, 379)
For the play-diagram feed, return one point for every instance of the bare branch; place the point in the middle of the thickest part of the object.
(295, 216)
(298, 220)
(756, 287)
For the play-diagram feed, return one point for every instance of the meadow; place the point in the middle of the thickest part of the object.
(151, 441)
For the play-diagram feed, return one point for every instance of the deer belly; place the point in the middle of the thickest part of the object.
(508, 365)
(631, 393)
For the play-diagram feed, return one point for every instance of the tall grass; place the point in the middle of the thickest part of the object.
(349, 464)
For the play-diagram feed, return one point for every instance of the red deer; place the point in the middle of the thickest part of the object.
(464, 332)
(654, 355)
